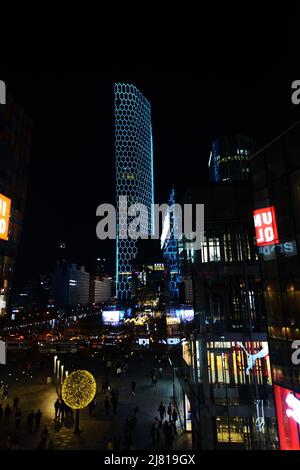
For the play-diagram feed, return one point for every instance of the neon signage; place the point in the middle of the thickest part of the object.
(265, 226)
(5, 204)
(288, 417)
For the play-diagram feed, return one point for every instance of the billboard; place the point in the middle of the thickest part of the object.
(288, 417)
(265, 226)
(5, 205)
(185, 314)
(112, 316)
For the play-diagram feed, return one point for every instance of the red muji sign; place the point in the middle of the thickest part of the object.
(265, 226)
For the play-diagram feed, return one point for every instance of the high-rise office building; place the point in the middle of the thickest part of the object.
(15, 142)
(275, 174)
(229, 158)
(134, 176)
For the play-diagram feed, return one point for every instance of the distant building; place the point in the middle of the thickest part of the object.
(15, 143)
(229, 158)
(101, 289)
(71, 286)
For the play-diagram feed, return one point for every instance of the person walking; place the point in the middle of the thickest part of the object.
(38, 417)
(18, 418)
(133, 387)
(45, 434)
(30, 420)
(162, 411)
(174, 419)
(16, 405)
(7, 412)
(170, 411)
(107, 406)
(56, 408)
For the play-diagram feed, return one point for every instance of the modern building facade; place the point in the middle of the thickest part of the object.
(134, 177)
(15, 144)
(224, 387)
(229, 158)
(276, 187)
(101, 289)
(71, 286)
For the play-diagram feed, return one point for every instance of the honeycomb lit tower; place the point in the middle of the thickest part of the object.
(134, 176)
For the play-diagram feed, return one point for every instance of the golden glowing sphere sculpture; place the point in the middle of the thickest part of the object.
(78, 389)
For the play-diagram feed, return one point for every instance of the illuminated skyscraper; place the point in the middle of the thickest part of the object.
(229, 158)
(134, 175)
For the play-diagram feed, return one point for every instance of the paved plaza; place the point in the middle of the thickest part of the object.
(96, 430)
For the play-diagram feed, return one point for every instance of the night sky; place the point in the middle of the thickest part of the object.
(199, 85)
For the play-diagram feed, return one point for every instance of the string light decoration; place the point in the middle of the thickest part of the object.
(78, 389)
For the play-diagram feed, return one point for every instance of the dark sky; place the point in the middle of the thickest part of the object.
(200, 85)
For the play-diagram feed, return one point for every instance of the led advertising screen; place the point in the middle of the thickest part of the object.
(185, 314)
(112, 316)
(265, 226)
(288, 417)
(5, 204)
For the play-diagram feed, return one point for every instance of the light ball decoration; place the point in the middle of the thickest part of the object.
(78, 389)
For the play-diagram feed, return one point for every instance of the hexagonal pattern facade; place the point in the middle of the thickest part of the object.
(134, 174)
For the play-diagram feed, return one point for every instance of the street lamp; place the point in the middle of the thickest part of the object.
(55, 359)
(57, 368)
(62, 373)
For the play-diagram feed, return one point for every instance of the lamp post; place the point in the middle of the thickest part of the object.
(57, 369)
(54, 370)
(62, 373)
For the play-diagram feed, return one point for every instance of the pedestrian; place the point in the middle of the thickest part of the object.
(18, 418)
(16, 404)
(7, 412)
(170, 411)
(45, 434)
(1, 411)
(119, 370)
(162, 411)
(106, 406)
(133, 386)
(56, 408)
(30, 420)
(174, 419)
(38, 417)
(117, 442)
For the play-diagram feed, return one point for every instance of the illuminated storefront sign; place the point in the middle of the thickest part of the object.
(286, 249)
(265, 226)
(288, 417)
(5, 204)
